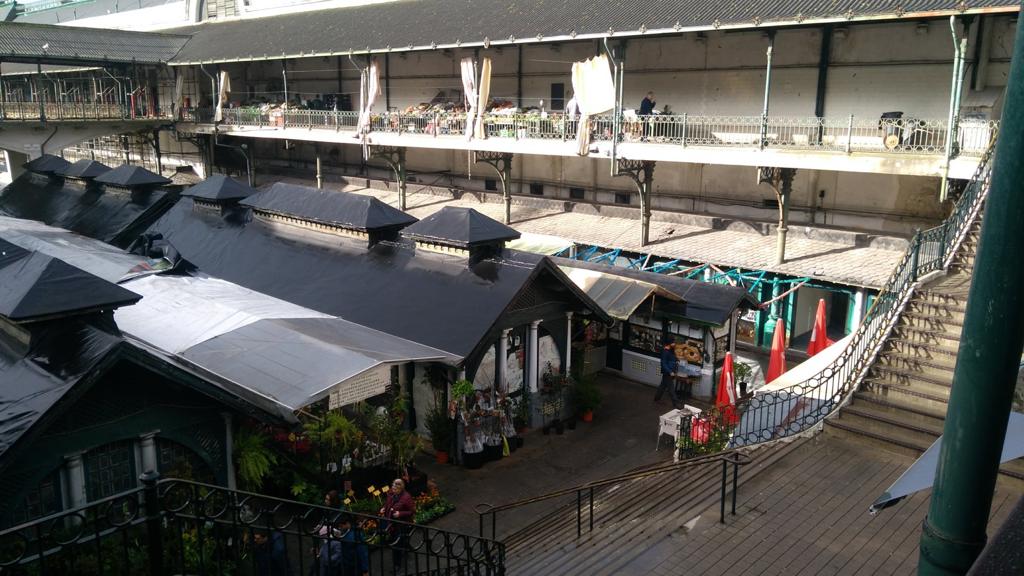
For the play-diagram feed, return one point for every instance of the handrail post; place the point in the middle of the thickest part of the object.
(683, 137)
(480, 517)
(849, 135)
(735, 477)
(579, 513)
(154, 540)
(721, 518)
(915, 255)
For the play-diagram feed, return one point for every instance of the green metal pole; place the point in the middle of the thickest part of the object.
(990, 349)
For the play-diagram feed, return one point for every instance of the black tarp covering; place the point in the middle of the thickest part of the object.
(428, 298)
(219, 188)
(31, 383)
(85, 168)
(47, 164)
(127, 176)
(460, 227)
(34, 285)
(113, 215)
(705, 302)
(336, 208)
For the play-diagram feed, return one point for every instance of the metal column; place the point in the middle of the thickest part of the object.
(642, 174)
(986, 369)
(767, 89)
(502, 164)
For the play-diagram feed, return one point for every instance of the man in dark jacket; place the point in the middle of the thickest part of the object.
(646, 109)
(270, 554)
(669, 365)
(345, 553)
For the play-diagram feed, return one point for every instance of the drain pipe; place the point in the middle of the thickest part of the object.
(959, 49)
(954, 532)
(42, 147)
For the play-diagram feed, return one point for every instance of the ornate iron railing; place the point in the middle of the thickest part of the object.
(181, 527)
(775, 414)
(849, 134)
(74, 111)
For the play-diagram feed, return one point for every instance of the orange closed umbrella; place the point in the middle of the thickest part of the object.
(819, 336)
(725, 400)
(777, 360)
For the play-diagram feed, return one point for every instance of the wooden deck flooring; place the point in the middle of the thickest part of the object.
(807, 514)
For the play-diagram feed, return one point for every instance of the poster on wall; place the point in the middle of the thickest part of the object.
(690, 350)
(365, 385)
(721, 347)
(746, 327)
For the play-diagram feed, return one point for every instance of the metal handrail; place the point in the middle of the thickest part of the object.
(733, 457)
(795, 409)
(847, 134)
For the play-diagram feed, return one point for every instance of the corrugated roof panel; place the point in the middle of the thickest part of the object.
(70, 45)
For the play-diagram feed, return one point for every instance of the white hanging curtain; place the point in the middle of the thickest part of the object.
(369, 89)
(471, 95)
(222, 96)
(485, 91)
(594, 91)
(179, 94)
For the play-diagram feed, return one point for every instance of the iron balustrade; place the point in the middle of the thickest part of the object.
(774, 414)
(181, 527)
(587, 490)
(849, 135)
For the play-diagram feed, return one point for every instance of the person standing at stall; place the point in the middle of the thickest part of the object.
(646, 110)
(398, 506)
(669, 365)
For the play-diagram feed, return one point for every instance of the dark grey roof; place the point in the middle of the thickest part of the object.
(85, 168)
(342, 209)
(71, 45)
(127, 176)
(424, 24)
(33, 285)
(219, 188)
(389, 286)
(47, 164)
(107, 214)
(462, 227)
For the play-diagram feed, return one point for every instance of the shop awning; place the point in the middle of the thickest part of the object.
(291, 355)
(616, 295)
(921, 474)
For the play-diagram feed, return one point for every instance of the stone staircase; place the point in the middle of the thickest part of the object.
(901, 403)
(631, 518)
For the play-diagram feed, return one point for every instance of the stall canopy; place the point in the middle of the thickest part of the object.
(279, 351)
(617, 295)
(539, 243)
(921, 474)
(34, 286)
(705, 302)
(113, 215)
(47, 164)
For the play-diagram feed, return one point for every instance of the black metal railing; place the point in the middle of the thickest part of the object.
(773, 414)
(182, 527)
(585, 493)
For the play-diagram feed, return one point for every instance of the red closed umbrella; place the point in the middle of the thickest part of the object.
(777, 360)
(819, 336)
(725, 400)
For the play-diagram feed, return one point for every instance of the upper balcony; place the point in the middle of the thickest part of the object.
(887, 145)
(75, 112)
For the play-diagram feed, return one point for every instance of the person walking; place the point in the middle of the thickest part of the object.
(270, 553)
(398, 506)
(669, 365)
(344, 554)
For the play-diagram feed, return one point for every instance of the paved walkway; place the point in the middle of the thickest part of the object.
(740, 244)
(621, 437)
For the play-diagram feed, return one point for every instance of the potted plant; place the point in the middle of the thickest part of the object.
(742, 371)
(587, 397)
(441, 430)
(522, 413)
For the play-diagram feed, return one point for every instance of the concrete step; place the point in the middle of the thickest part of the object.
(878, 419)
(950, 326)
(927, 383)
(917, 362)
(924, 336)
(896, 405)
(938, 309)
(912, 348)
(888, 440)
(906, 395)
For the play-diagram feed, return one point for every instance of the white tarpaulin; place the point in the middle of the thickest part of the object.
(594, 91)
(485, 90)
(779, 407)
(222, 96)
(469, 89)
(179, 93)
